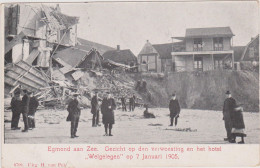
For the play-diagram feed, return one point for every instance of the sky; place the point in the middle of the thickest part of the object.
(130, 24)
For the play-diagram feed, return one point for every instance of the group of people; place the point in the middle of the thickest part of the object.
(107, 108)
(132, 102)
(26, 106)
(232, 116)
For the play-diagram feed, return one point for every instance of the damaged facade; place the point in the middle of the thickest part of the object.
(33, 31)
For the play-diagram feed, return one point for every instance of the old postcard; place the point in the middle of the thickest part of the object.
(130, 84)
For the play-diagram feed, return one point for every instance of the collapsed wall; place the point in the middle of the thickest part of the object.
(204, 90)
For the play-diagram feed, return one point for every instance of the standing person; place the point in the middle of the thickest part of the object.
(16, 104)
(228, 110)
(175, 109)
(107, 109)
(131, 103)
(134, 97)
(25, 110)
(123, 103)
(95, 110)
(238, 125)
(74, 111)
(33, 105)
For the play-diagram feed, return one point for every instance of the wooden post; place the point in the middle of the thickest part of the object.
(233, 60)
(212, 59)
(193, 61)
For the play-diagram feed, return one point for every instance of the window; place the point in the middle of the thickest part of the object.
(197, 46)
(144, 60)
(218, 64)
(218, 43)
(198, 64)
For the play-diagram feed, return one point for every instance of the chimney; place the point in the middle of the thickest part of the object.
(118, 47)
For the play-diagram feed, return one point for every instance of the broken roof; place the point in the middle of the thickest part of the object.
(120, 56)
(209, 32)
(88, 45)
(71, 56)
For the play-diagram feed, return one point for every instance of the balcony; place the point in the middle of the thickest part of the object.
(218, 48)
(198, 49)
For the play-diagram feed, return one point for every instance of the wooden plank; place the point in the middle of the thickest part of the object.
(10, 81)
(19, 69)
(26, 66)
(27, 77)
(23, 80)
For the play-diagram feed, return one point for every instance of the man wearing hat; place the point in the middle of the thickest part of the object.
(175, 109)
(95, 110)
(228, 111)
(74, 111)
(107, 109)
(25, 110)
(33, 105)
(16, 104)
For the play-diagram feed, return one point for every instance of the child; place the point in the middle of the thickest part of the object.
(238, 125)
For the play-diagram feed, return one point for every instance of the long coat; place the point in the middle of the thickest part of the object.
(25, 103)
(33, 104)
(16, 105)
(174, 107)
(94, 105)
(73, 109)
(238, 120)
(108, 113)
(228, 109)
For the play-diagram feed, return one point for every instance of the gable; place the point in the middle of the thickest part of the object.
(148, 49)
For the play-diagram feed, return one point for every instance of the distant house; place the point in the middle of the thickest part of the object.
(125, 57)
(157, 57)
(238, 52)
(251, 51)
(205, 49)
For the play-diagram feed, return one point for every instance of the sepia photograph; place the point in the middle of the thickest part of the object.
(131, 73)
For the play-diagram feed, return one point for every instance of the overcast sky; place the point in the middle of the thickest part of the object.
(130, 24)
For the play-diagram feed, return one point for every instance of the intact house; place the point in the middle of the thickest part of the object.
(205, 49)
(157, 57)
(32, 32)
(123, 57)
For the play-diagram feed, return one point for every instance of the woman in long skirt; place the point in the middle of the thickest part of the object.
(238, 125)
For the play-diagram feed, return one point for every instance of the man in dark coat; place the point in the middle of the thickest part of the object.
(228, 111)
(123, 103)
(131, 103)
(16, 105)
(95, 110)
(175, 109)
(74, 111)
(25, 110)
(33, 105)
(107, 109)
